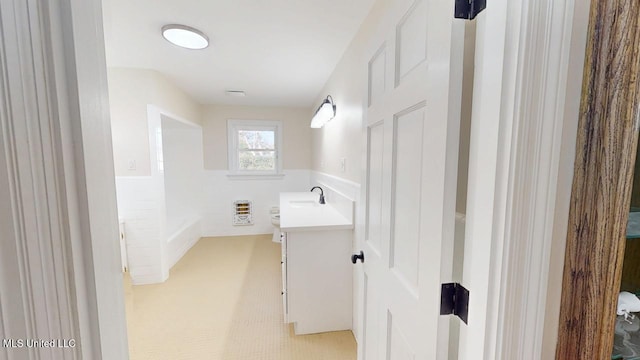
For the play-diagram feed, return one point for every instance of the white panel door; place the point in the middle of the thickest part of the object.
(414, 66)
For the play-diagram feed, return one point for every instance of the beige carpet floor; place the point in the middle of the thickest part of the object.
(222, 301)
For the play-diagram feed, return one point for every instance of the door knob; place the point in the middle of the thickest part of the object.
(355, 257)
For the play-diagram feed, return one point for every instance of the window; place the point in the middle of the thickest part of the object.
(254, 147)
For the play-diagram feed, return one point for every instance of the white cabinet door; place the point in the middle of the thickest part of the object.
(319, 281)
(414, 66)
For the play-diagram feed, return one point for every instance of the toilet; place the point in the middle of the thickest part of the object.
(275, 220)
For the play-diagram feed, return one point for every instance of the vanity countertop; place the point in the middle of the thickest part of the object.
(302, 211)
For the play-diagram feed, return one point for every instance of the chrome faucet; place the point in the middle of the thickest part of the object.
(321, 193)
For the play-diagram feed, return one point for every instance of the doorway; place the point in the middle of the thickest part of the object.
(96, 258)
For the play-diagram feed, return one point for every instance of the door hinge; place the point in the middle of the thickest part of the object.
(454, 299)
(469, 9)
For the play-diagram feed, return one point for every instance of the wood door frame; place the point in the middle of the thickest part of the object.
(603, 178)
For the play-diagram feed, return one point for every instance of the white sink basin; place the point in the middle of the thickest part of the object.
(303, 203)
(302, 211)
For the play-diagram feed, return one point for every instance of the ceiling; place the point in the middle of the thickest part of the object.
(281, 52)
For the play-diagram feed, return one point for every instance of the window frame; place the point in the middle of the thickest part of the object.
(233, 127)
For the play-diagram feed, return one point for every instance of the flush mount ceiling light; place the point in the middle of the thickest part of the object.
(185, 36)
(325, 112)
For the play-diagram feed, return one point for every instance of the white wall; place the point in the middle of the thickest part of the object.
(158, 232)
(296, 133)
(342, 137)
(183, 187)
(137, 99)
(166, 211)
(130, 91)
(183, 173)
(140, 206)
(220, 191)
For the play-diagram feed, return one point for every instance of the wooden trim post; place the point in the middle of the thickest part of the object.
(603, 176)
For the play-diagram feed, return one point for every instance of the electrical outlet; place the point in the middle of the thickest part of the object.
(343, 164)
(131, 165)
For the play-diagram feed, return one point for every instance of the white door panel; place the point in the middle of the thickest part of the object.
(406, 190)
(399, 346)
(371, 331)
(412, 145)
(377, 76)
(411, 42)
(373, 230)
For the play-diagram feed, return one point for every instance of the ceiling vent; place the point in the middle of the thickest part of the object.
(236, 93)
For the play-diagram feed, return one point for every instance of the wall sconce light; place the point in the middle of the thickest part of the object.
(325, 112)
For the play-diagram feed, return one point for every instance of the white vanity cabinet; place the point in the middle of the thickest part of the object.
(317, 280)
(317, 272)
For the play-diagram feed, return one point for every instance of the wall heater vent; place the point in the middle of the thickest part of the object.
(242, 211)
